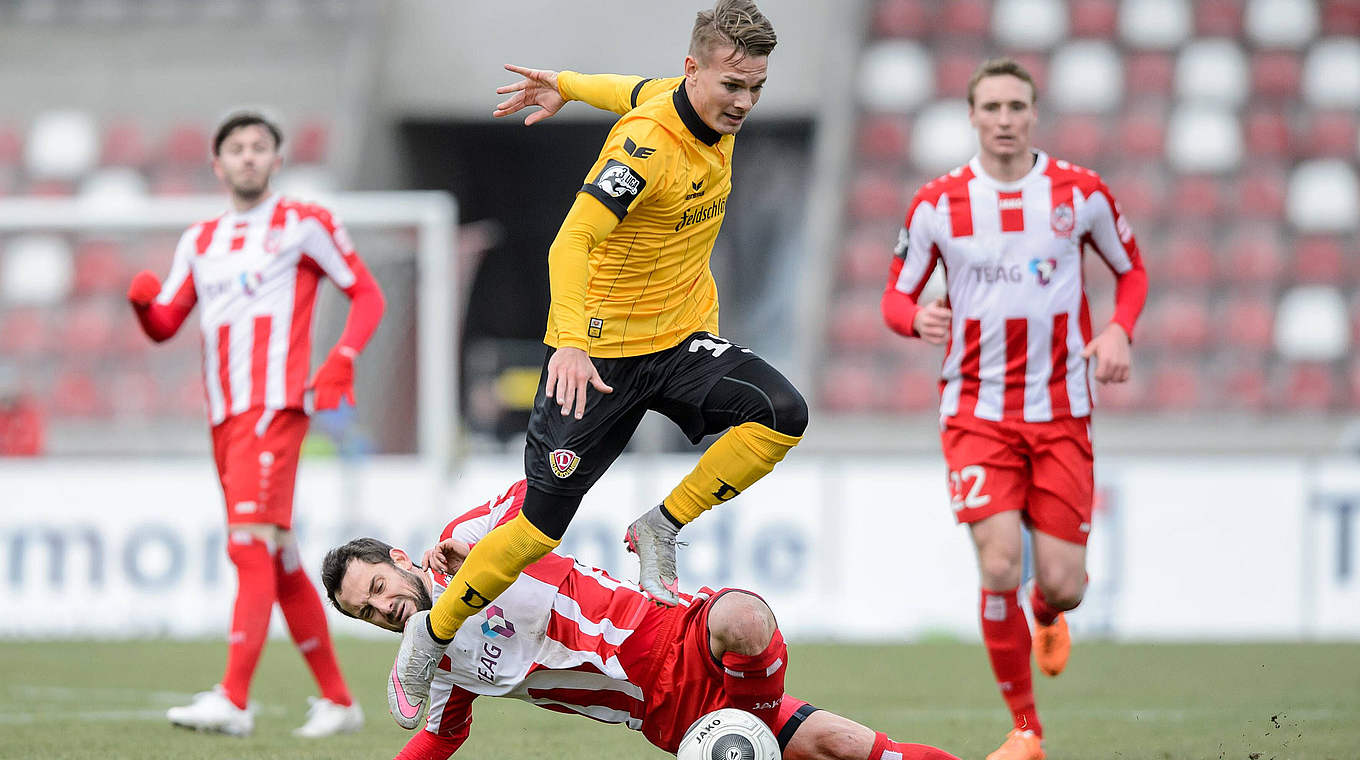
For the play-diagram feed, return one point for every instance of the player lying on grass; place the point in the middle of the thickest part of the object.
(571, 638)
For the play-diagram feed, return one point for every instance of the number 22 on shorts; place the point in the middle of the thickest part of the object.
(974, 498)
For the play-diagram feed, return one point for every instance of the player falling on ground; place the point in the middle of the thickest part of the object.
(634, 326)
(570, 638)
(1010, 228)
(254, 273)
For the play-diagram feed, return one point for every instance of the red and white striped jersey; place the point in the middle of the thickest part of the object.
(254, 274)
(1012, 253)
(559, 637)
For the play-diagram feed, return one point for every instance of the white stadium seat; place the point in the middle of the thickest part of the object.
(1213, 71)
(114, 186)
(1029, 24)
(942, 138)
(1157, 24)
(62, 145)
(1086, 76)
(1281, 23)
(896, 76)
(1331, 74)
(1311, 324)
(1203, 138)
(36, 269)
(1323, 196)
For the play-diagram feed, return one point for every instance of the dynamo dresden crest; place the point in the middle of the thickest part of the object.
(563, 462)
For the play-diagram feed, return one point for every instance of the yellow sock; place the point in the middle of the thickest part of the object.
(492, 565)
(739, 458)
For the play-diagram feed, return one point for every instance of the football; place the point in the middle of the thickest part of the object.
(728, 734)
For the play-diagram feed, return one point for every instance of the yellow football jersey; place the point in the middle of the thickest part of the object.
(665, 175)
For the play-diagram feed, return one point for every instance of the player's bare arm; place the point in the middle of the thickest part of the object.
(1110, 349)
(933, 322)
(537, 88)
(570, 371)
(446, 556)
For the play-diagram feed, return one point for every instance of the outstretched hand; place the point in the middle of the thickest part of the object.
(537, 88)
(446, 557)
(570, 370)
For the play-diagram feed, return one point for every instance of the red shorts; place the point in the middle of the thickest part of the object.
(257, 466)
(1043, 469)
(683, 683)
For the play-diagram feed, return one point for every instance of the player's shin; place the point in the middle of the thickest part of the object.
(490, 568)
(887, 749)
(254, 561)
(740, 457)
(1006, 634)
(755, 682)
(306, 618)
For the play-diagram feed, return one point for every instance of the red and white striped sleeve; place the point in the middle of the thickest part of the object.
(914, 259)
(472, 525)
(1109, 233)
(327, 243)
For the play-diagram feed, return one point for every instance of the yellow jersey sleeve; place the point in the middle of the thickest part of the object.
(587, 224)
(626, 168)
(612, 92)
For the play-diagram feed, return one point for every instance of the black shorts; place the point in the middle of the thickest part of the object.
(564, 455)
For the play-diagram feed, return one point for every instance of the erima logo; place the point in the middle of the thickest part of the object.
(702, 213)
(696, 189)
(635, 150)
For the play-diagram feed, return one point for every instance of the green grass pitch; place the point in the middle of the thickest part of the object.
(1163, 702)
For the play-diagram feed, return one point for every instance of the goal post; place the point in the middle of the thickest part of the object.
(417, 227)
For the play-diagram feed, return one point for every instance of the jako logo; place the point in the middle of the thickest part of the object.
(496, 625)
(1043, 269)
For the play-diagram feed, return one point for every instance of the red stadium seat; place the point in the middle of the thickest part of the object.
(1175, 386)
(1190, 258)
(100, 267)
(851, 385)
(856, 322)
(1037, 66)
(50, 188)
(1195, 197)
(174, 181)
(965, 18)
(1308, 386)
(1141, 192)
(1276, 74)
(1354, 382)
(1243, 380)
(134, 392)
(1079, 138)
(1183, 320)
(1142, 134)
(24, 331)
(1341, 17)
(1218, 18)
(883, 137)
(1125, 396)
(1252, 255)
(1329, 133)
(876, 195)
(953, 69)
(188, 144)
(309, 145)
(1093, 18)
(913, 389)
(866, 258)
(1149, 73)
(1260, 192)
(86, 328)
(76, 393)
(124, 145)
(1267, 133)
(1320, 260)
(903, 18)
(1247, 320)
(11, 146)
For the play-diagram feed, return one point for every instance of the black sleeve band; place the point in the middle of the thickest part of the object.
(638, 91)
(794, 722)
(608, 200)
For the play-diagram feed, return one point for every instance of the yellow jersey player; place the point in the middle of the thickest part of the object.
(633, 326)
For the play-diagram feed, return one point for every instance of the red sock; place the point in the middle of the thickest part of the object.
(307, 623)
(887, 749)
(755, 682)
(1006, 634)
(250, 616)
(1044, 614)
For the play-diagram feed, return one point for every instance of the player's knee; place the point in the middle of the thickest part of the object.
(1064, 594)
(790, 411)
(1000, 570)
(742, 623)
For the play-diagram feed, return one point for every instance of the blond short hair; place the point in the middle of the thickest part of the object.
(738, 23)
(996, 67)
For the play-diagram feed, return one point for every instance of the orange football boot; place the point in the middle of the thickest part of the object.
(1019, 745)
(1052, 645)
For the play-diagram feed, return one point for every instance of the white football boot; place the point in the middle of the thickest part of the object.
(212, 711)
(326, 718)
(652, 538)
(408, 686)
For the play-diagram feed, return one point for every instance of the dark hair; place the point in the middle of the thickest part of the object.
(738, 23)
(995, 67)
(245, 119)
(337, 560)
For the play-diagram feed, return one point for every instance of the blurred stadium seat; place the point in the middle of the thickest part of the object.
(1029, 24)
(1157, 24)
(1086, 76)
(1280, 23)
